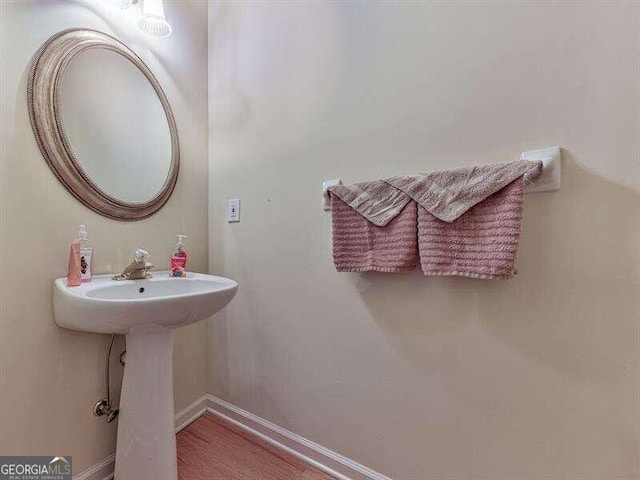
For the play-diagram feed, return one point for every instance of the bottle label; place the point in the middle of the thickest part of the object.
(85, 264)
(178, 263)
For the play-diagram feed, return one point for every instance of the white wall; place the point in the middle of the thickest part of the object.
(431, 378)
(49, 377)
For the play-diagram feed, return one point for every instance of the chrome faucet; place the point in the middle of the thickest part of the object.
(139, 268)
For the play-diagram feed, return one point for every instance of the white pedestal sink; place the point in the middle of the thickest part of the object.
(148, 312)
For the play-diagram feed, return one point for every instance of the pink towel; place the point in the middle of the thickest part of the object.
(361, 246)
(468, 221)
(447, 194)
(482, 243)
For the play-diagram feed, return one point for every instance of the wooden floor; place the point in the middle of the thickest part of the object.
(212, 449)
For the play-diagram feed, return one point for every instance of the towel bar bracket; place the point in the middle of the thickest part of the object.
(549, 179)
(326, 202)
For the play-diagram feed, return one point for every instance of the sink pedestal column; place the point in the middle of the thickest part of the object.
(146, 448)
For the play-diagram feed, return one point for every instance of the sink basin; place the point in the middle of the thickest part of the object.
(108, 306)
(149, 312)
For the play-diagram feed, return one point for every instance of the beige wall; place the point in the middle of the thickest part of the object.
(431, 378)
(50, 377)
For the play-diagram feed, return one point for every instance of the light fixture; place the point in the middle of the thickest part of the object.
(153, 21)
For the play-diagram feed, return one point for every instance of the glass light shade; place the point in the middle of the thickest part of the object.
(153, 21)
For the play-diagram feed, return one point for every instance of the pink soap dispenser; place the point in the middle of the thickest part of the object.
(179, 260)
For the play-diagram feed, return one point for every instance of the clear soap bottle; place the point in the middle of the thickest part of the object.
(86, 255)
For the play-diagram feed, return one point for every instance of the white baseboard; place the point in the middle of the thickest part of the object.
(191, 412)
(320, 457)
(102, 470)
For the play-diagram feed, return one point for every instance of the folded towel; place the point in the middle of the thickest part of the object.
(482, 243)
(447, 194)
(360, 246)
(377, 201)
(468, 221)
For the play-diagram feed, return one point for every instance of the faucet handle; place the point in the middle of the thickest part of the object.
(141, 255)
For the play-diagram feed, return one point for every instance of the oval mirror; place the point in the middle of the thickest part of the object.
(103, 124)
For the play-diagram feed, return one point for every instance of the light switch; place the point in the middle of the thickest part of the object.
(233, 210)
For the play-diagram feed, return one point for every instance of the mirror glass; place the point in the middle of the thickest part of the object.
(115, 125)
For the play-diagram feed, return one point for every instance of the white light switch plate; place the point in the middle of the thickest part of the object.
(233, 210)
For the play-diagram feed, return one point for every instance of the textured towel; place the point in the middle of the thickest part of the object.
(360, 246)
(377, 201)
(447, 194)
(482, 243)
